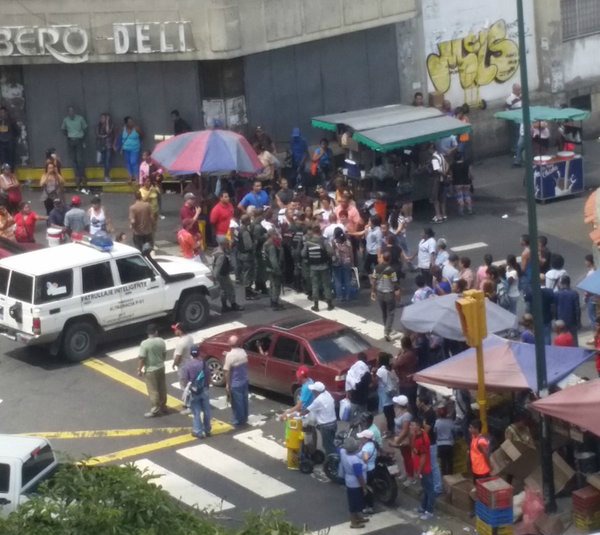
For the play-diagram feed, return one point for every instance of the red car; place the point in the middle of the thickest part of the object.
(10, 247)
(276, 351)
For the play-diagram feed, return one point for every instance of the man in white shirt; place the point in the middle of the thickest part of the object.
(329, 230)
(182, 356)
(322, 409)
(450, 269)
(513, 101)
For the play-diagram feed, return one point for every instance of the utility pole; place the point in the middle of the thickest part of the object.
(536, 303)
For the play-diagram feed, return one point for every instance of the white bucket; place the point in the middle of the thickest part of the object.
(54, 236)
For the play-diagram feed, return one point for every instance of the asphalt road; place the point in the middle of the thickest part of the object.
(104, 396)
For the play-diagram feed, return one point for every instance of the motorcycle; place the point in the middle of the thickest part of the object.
(384, 485)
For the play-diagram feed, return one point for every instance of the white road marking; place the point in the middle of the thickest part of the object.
(236, 471)
(385, 519)
(469, 246)
(182, 489)
(257, 441)
(130, 353)
(354, 321)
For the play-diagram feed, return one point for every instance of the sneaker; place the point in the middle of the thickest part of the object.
(185, 411)
(368, 511)
(444, 217)
(198, 435)
(436, 219)
(420, 510)
(207, 434)
(315, 308)
(162, 216)
(426, 516)
(151, 414)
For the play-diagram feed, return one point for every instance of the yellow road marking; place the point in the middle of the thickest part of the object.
(107, 433)
(217, 428)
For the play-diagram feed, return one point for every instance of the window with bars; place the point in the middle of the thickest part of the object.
(579, 18)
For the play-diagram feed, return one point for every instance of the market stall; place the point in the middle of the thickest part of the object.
(561, 173)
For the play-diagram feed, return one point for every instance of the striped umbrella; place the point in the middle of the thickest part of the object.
(208, 151)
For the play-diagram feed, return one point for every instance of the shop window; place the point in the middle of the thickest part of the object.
(579, 18)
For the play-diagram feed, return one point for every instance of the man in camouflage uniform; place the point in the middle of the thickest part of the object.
(247, 256)
(273, 258)
(318, 254)
(222, 269)
(259, 236)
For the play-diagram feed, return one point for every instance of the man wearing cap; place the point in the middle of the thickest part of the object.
(197, 377)
(306, 396)
(151, 364)
(236, 380)
(352, 470)
(56, 217)
(75, 218)
(189, 210)
(141, 222)
(402, 434)
(182, 356)
(322, 410)
(222, 269)
(368, 454)
(421, 461)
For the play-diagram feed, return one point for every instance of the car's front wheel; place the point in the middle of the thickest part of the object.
(79, 341)
(215, 368)
(193, 311)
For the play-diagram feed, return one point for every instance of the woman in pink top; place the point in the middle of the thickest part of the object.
(482, 272)
(466, 273)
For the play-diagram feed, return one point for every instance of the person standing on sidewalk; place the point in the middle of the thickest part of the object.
(75, 127)
(421, 452)
(181, 356)
(429, 417)
(222, 269)
(246, 256)
(236, 381)
(568, 308)
(352, 469)
(141, 222)
(105, 133)
(385, 290)
(273, 257)
(151, 364)
(318, 253)
(129, 142)
(197, 377)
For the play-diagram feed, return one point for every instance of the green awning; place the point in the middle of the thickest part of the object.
(369, 118)
(397, 136)
(544, 113)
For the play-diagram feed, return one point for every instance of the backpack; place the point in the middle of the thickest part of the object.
(502, 294)
(198, 384)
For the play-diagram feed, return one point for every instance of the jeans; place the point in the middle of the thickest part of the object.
(446, 452)
(76, 154)
(590, 306)
(513, 303)
(105, 160)
(239, 404)
(428, 500)
(387, 303)
(327, 436)
(435, 470)
(200, 404)
(341, 279)
(7, 153)
(132, 162)
(519, 150)
(548, 334)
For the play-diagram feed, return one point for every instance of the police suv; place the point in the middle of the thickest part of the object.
(67, 296)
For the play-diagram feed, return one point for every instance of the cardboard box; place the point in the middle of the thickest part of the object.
(461, 496)
(563, 474)
(594, 480)
(513, 458)
(450, 480)
(436, 99)
(549, 524)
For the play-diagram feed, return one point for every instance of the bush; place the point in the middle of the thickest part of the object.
(114, 500)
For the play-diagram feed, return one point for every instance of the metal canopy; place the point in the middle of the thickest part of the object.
(544, 113)
(370, 118)
(401, 135)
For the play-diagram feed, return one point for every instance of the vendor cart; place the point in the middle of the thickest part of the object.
(560, 174)
(397, 132)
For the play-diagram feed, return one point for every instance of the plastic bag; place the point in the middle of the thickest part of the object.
(345, 410)
(533, 506)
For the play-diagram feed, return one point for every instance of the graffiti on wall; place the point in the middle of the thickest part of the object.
(479, 59)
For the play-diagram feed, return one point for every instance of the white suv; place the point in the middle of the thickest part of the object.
(67, 296)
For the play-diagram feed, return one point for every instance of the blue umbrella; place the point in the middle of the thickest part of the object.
(591, 283)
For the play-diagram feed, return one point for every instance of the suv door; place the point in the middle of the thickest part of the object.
(55, 300)
(16, 297)
(283, 363)
(7, 483)
(97, 293)
(141, 289)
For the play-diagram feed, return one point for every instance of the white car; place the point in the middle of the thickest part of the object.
(65, 297)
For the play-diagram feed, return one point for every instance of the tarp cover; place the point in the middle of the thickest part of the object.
(591, 283)
(577, 405)
(370, 118)
(401, 135)
(508, 365)
(544, 113)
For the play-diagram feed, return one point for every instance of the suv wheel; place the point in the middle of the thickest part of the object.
(215, 368)
(80, 341)
(193, 311)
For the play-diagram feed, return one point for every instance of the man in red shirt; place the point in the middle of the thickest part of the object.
(189, 210)
(562, 336)
(221, 216)
(421, 454)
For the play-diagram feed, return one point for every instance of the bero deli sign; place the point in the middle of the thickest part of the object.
(71, 43)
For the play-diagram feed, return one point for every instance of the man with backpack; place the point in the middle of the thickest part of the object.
(198, 381)
(273, 258)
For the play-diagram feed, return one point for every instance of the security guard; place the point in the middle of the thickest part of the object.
(273, 258)
(297, 231)
(318, 253)
(259, 236)
(222, 269)
(246, 256)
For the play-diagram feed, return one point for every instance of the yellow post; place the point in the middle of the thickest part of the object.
(471, 310)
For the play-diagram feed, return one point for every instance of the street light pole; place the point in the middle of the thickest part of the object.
(536, 303)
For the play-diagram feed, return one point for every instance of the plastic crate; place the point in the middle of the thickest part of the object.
(494, 517)
(485, 529)
(586, 499)
(586, 523)
(495, 493)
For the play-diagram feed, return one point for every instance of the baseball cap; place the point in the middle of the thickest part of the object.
(295, 132)
(367, 433)
(188, 196)
(177, 326)
(317, 387)
(301, 372)
(195, 351)
(400, 400)
(76, 200)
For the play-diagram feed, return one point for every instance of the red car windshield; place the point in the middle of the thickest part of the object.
(338, 345)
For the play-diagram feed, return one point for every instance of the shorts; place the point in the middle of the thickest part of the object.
(438, 191)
